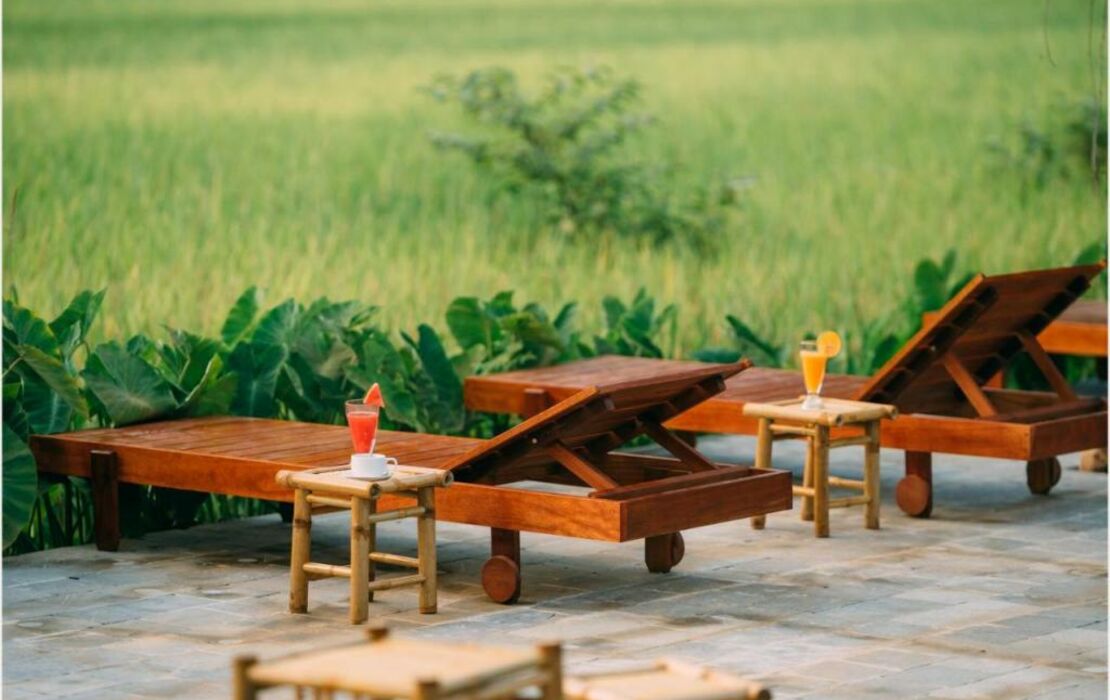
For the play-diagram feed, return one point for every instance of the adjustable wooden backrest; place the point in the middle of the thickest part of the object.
(976, 335)
(580, 431)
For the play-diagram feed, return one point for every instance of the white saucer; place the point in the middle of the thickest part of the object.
(350, 475)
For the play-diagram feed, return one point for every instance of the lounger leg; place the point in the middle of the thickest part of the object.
(663, 552)
(426, 549)
(501, 572)
(762, 460)
(105, 491)
(914, 494)
(299, 554)
(535, 401)
(360, 560)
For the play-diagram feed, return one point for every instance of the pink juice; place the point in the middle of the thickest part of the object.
(364, 430)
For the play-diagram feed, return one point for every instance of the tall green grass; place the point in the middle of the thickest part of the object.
(179, 151)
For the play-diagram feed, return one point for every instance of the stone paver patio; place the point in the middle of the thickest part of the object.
(1000, 594)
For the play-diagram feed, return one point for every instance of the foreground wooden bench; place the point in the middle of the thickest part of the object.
(513, 483)
(938, 382)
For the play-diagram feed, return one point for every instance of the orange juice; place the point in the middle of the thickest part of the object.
(813, 369)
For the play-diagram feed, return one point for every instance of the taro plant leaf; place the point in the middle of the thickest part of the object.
(72, 325)
(448, 401)
(46, 411)
(277, 325)
(750, 342)
(470, 324)
(1096, 252)
(719, 355)
(257, 365)
(930, 286)
(27, 329)
(20, 485)
(126, 386)
(382, 363)
(54, 375)
(14, 413)
(532, 330)
(240, 317)
(212, 393)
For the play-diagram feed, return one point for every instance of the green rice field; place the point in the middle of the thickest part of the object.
(179, 151)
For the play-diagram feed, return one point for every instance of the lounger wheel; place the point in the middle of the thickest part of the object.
(1042, 474)
(663, 552)
(501, 579)
(914, 495)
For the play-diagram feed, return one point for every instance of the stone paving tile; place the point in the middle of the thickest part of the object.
(1000, 594)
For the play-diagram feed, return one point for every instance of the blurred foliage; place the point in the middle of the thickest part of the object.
(1069, 141)
(567, 146)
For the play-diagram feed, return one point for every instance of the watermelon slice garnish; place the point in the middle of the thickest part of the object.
(374, 396)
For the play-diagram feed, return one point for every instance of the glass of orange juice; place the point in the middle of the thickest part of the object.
(814, 361)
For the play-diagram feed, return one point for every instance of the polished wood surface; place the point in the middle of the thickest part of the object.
(1079, 330)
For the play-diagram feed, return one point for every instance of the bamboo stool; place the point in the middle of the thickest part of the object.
(389, 667)
(787, 419)
(331, 488)
(663, 680)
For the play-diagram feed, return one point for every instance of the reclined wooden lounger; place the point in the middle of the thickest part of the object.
(937, 381)
(631, 496)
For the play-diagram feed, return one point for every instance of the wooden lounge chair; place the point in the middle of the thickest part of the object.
(629, 496)
(937, 381)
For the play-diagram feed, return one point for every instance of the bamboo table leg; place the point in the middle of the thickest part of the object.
(807, 481)
(820, 472)
(871, 476)
(302, 544)
(360, 560)
(763, 460)
(372, 542)
(426, 549)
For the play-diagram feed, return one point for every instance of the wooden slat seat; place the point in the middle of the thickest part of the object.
(937, 381)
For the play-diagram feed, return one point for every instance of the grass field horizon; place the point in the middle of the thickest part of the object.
(179, 152)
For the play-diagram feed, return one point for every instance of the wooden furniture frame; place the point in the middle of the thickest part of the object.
(1079, 330)
(331, 488)
(391, 667)
(628, 496)
(665, 679)
(937, 382)
(856, 423)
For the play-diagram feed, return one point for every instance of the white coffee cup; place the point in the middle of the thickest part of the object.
(372, 466)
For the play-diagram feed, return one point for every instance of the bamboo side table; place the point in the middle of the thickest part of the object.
(331, 488)
(787, 419)
(389, 667)
(663, 680)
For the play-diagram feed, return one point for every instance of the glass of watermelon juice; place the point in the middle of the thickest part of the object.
(363, 421)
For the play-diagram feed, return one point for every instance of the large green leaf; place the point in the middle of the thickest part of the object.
(14, 414)
(277, 325)
(257, 366)
(470, 324)
(20, 485)
(55, 375)
(126, 386)
(27, 329)
(212, 393)
(241, 316)
(382, 363)
(71, 327)
(46, 411)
